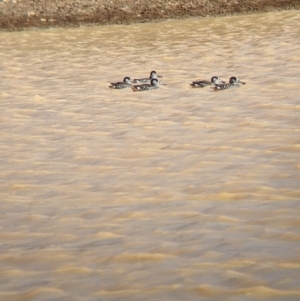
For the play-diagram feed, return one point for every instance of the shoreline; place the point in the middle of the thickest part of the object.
(17, 15)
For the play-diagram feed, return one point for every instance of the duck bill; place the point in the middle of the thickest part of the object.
(242, 83)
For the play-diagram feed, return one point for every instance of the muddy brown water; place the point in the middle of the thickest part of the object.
(171, 194)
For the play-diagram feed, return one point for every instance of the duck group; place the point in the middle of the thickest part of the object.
(152, 82)
(146, 83)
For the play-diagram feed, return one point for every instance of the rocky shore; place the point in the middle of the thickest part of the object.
(23, 14)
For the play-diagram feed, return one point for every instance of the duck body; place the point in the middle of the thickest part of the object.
(121, 85)
(153, 74)
(234, 82)
(152, 86)
(203, 83)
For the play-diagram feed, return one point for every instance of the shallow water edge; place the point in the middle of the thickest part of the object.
(26, 14)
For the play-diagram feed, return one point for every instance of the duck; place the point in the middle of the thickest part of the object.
(153, 74)
(121, 85)
(154, 85)
(203, 83)
(234, 82)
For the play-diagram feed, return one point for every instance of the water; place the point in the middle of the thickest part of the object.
(171, 194)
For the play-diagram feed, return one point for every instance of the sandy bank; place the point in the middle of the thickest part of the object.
(22, 14)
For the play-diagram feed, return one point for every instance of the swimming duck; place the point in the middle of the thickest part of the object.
(153, 74)
(143, 87)
(234, 82)
(203, 83)
(121, 85)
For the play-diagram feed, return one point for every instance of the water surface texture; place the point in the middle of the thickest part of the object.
(171, 194)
